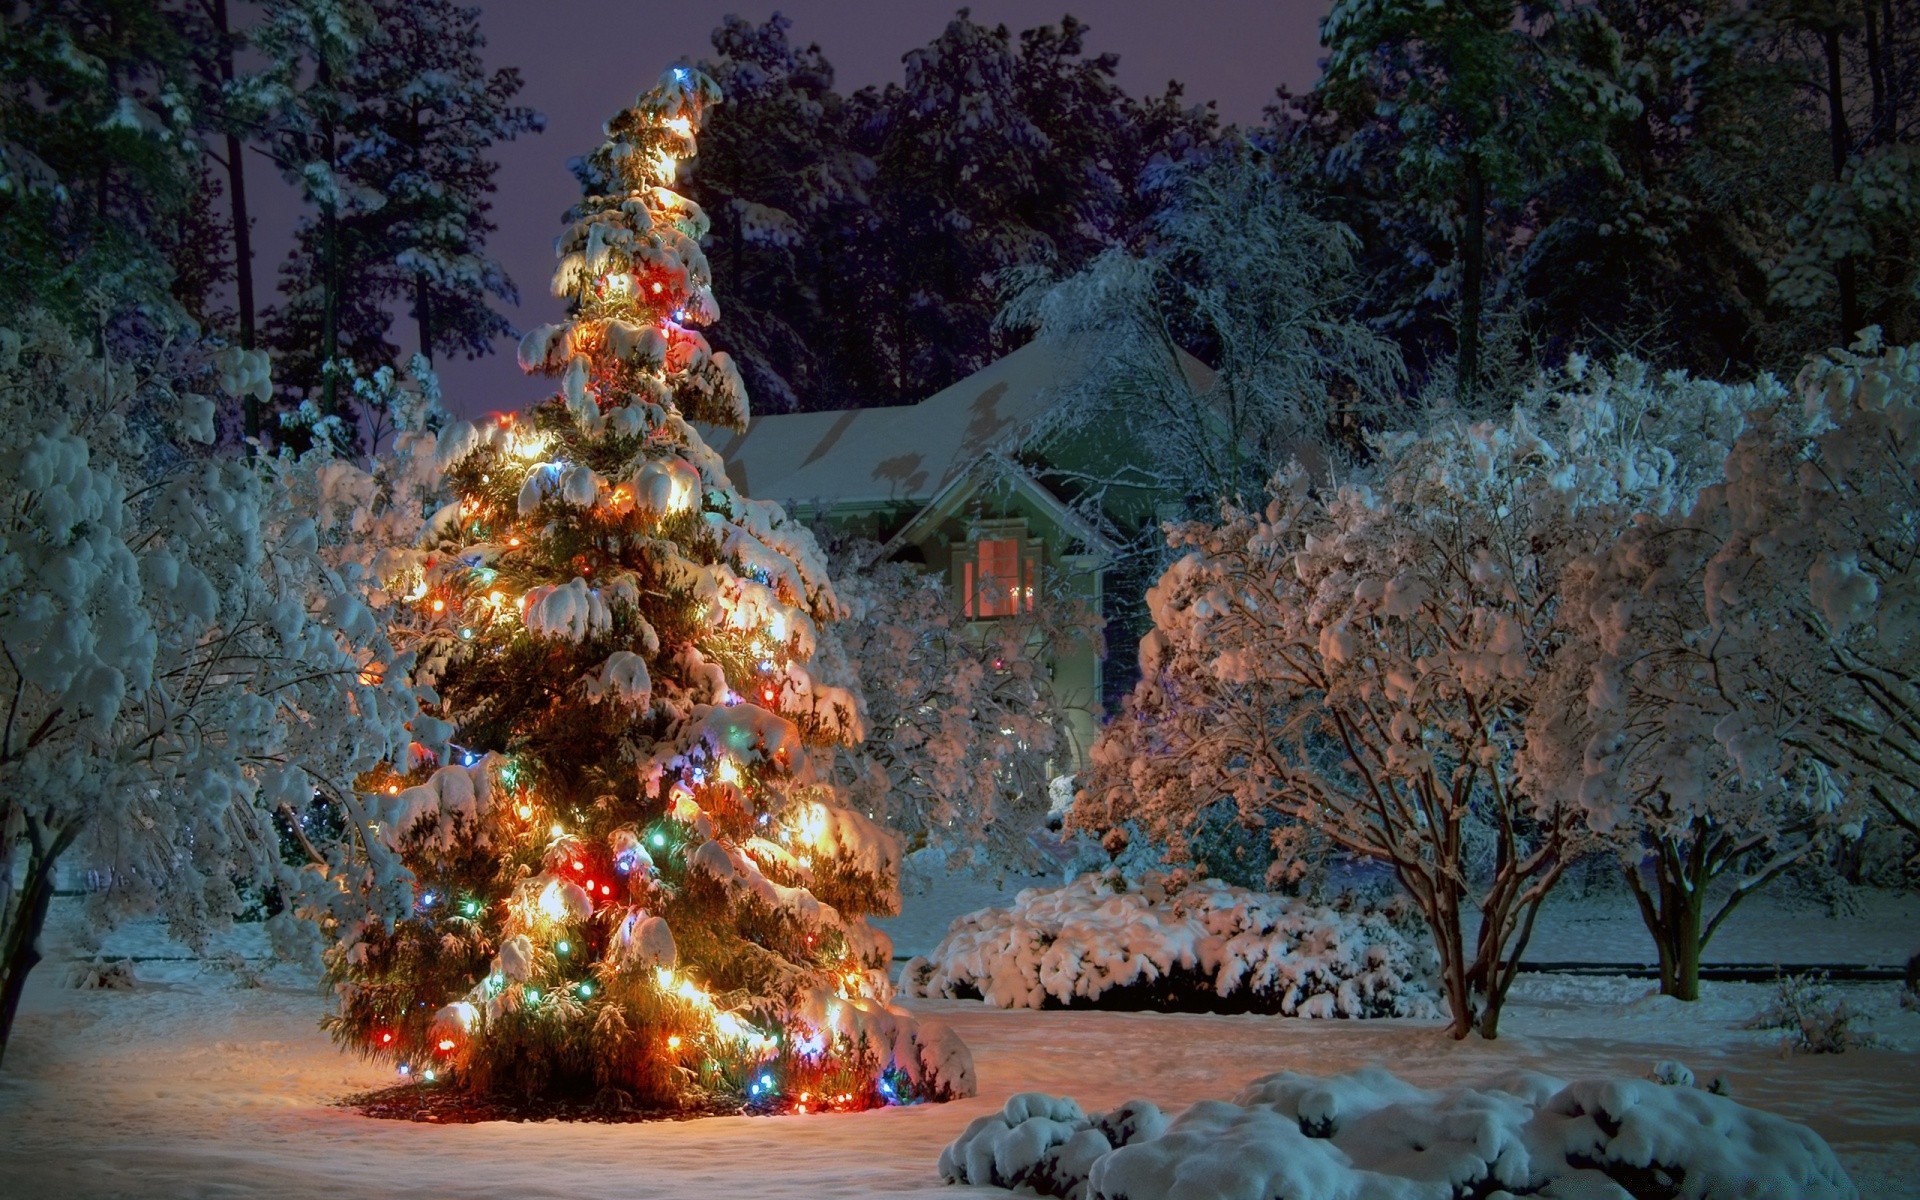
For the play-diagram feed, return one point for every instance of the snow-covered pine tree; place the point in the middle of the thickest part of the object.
(383, 114)
(631, 882)
(426, 115)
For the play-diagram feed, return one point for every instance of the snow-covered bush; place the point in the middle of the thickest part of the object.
(965, 728)
(1173, 945)
(1359, 662)
(179, 663)
(1815, 1020)
(1367, 1133)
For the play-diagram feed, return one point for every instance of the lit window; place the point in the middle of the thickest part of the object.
(996, 576)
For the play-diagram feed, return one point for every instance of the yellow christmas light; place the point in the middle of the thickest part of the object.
(680, 499)
(552, 905)
(528, 446)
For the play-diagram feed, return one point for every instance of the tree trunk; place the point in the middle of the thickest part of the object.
(242, 263)
(329, 260)
(1845, 271)
(1473, 253)
(237, 199)
(28, 918)
(423, 314)
(1878, 128)
(1443, 919)
(1673, 911)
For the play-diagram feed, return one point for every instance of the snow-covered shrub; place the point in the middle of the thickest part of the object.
(1367, 1133)
(1044, 1144)
(99, 975)
(1815, 1020)
(1173, 945)
(965, 728)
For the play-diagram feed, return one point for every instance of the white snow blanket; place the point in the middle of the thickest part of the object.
(1367, 1135)
(1065, 947)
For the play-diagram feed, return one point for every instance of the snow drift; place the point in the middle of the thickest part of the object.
(1366, 1135)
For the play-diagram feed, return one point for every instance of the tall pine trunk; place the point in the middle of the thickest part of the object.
(329, 257)
(1845, 271)
(242, 237)
(423, 314)
(1473, 267)
(242, 224)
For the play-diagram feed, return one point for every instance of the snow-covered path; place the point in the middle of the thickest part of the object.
(190, 1086)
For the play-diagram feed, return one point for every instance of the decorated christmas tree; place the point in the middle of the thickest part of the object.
(629, 881)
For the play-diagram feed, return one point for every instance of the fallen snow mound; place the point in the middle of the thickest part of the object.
(1367, 1135)
(1172, 945)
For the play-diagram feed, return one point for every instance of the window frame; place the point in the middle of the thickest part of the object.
(967, 573)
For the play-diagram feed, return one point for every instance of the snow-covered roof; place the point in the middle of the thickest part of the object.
(907, 453)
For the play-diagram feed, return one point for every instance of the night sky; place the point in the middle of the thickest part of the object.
(584, 59)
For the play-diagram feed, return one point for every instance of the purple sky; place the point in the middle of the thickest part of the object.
(582, 60)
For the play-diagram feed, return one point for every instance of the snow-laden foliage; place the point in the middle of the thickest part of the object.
(1367, 1134)
(1646, 725)
(1739, 673)
(1170, 943)
(633, 878)
(965, 729)
(1808, 581)
(1360, 661)
(181, 665)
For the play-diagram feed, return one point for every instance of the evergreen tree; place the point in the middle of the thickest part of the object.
(96, 153)
(303, 96)
(1660, 241)
(632, 881)
(1467, 105)
(858, 238)
(785, 192)
(1852, 256)
(425, 116)
(388, 140)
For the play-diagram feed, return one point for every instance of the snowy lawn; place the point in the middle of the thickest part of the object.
(190, 1086)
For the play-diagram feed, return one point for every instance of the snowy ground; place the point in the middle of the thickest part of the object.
(191, 1086)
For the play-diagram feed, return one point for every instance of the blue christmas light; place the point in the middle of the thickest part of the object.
(658, 839)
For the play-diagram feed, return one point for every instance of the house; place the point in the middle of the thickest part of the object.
(964, 482)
